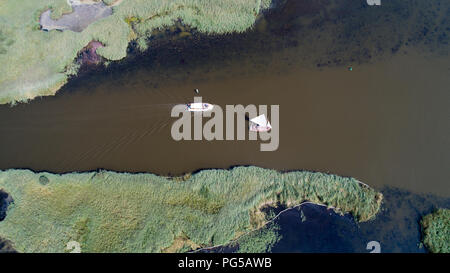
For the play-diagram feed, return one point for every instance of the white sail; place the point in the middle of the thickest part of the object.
(260, 120)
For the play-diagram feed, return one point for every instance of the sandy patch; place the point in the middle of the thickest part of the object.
(82, 16)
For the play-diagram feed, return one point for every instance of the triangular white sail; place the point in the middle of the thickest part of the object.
(260, 120)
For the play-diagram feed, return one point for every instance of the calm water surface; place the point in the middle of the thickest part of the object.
(384, 123)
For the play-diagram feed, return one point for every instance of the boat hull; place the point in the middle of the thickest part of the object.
(199, 107)
(256, 128)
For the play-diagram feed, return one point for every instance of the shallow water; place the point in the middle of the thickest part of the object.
(312, 228)
(6, 246)
(5, 200)
(384, 123)
(396, 228)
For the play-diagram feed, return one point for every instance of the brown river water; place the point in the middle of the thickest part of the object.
(386, 122)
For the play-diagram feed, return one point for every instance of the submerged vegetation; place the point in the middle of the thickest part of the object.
(436, 231)
(34, 61)
(120, 212)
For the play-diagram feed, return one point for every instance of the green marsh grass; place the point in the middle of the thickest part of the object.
(436, 231)
(259, 241)
(120, 212)
(34, 62)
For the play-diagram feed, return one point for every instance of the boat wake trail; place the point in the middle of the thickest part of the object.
(120, 143)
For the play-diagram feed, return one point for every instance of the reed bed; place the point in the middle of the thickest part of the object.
(121, 212)
(38, 63)
(436, 231)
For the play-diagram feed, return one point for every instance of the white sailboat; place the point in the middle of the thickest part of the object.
(199, 107)
(260, 124)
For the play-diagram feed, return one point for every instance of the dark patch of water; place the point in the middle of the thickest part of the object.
(5, 200)
(396, 228)
(313, 228)
(6, 246)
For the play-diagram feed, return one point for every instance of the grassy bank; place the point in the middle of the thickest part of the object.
(38, 63)
(120, 212)
(259, 241)
(436, 231)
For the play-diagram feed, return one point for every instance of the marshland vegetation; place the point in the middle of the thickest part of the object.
(37, 63)
(120, 212)
(436, 231)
